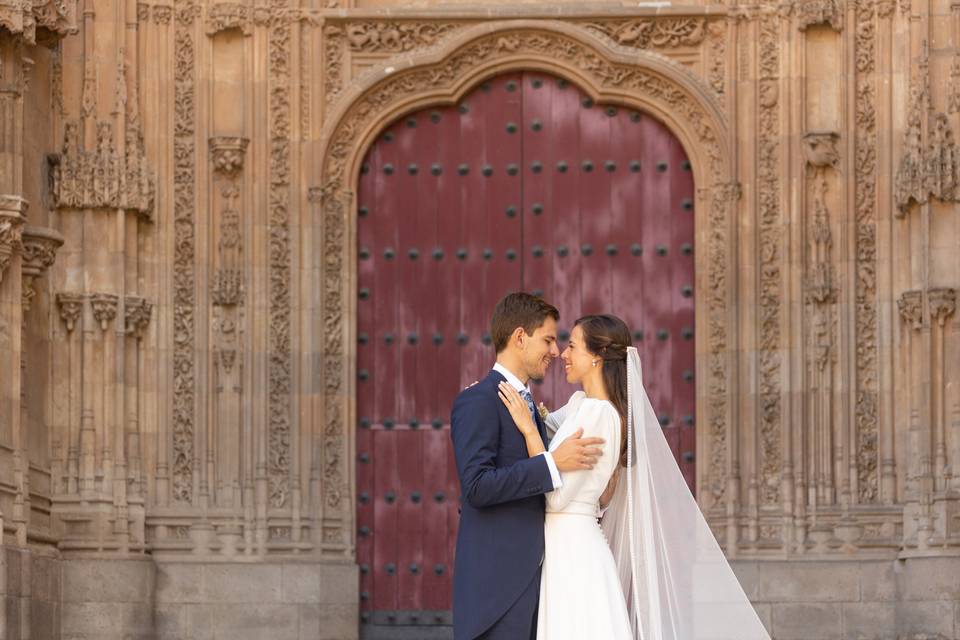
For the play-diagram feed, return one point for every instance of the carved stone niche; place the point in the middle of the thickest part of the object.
(227, 154)
(820, 149)
(39, 251)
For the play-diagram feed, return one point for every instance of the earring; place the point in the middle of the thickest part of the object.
(594, 363)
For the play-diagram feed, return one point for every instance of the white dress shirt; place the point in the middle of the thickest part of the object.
(519, 386)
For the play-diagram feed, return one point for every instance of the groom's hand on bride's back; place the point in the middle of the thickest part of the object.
(577, 453)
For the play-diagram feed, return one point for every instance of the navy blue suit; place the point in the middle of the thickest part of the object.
(500, 542)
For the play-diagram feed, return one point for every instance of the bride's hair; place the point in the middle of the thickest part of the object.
(607, 337)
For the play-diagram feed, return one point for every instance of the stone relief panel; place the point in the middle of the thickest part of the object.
(352, 47)
(184, 276)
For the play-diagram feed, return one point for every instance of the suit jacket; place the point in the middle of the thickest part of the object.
(500, 540)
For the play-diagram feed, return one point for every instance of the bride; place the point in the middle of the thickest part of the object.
(651, 569)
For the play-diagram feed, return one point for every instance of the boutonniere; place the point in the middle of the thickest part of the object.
(543, 411)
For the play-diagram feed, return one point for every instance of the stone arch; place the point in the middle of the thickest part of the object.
(441, 76)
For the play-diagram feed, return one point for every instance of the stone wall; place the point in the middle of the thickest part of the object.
(910, 599)
(177, 286)
(31, 593)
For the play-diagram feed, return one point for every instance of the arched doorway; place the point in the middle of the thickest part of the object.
(525, 184)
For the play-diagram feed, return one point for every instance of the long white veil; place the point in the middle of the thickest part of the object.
(677, 582)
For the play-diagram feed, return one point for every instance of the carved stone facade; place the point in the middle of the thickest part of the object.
(177, 274)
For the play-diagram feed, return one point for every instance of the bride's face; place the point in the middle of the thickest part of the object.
(577, 361)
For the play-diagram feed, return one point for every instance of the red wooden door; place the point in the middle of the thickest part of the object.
(524, 185)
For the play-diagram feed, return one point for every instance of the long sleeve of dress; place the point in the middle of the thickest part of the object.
(598, 419)
(556, 417)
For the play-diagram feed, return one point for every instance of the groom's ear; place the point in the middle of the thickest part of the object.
(518, 337)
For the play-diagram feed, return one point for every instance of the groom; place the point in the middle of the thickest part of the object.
(496, 582)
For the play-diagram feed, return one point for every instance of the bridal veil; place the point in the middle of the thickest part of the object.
(677, 582)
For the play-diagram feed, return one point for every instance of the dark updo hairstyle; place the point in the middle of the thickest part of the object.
(607, 337)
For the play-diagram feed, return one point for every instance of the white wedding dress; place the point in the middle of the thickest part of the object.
(580, 592)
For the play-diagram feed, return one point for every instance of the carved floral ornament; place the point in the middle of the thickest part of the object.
(227, 153)
(607, 72)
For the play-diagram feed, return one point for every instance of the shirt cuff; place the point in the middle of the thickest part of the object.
(554, 472)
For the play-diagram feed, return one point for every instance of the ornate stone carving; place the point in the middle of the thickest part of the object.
(943, 302)
(184, 276)
(333, 39)
(953, 87)
(56, 81)
(280, 359)
(820, 148)
(929, 169)
(223, 16)
(39, 252)
(228, 153)
(227, 290)
(102, 178)
(652, 33)
(12, 215)
(395, 36)
(717, 56)
(819, 281)
(137, 312)
(162, 14)
(910, 305)
(770, 278)
(104, 308)
(43, 21)
(865, 285)
(815, 12)
(70, 306)
(723, 201)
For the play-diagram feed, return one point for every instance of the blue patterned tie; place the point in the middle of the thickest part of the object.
(525, 394)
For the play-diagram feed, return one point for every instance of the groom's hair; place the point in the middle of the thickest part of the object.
(519, 309)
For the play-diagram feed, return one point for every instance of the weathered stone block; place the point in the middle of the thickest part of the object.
(238, 583)
(869, 620)
(920, 619)
(44, 619)
(302, 582)
(806, 582)
(179, 582)
(807, 621)
(184, 622)
(108, 582)
(106, 621)
(256, 621)
(878, 581)
(931, 579)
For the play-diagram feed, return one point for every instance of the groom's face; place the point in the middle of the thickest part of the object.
(540, 349)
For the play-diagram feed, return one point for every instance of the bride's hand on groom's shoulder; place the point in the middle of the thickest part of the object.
(577, 453)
